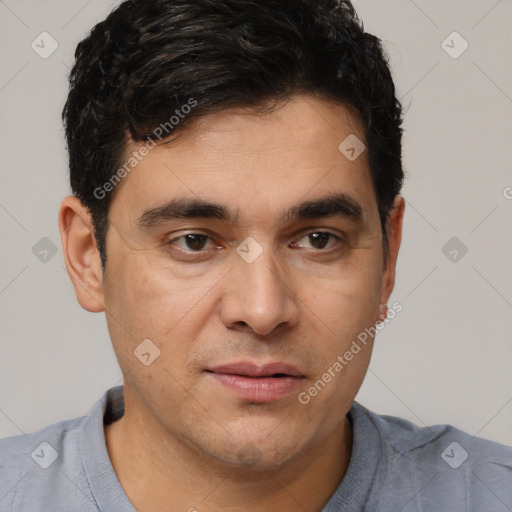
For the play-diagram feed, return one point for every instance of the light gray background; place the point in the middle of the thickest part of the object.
(446, 358)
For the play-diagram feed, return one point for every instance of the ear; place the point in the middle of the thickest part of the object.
(394, 235)
(81, 254)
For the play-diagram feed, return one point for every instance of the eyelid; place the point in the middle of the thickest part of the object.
(339, 238)
(335, 232)
(169, 241)
(342, 237)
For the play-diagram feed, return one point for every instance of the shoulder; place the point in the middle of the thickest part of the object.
(441, 462)
(41, 466)
(445, 442)
(41, 449)
(16, 446)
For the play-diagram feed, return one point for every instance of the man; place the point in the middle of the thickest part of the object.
(236, 170)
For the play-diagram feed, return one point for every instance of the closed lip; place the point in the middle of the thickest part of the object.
(249, 369)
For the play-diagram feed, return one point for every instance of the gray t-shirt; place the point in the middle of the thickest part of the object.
(395, 466)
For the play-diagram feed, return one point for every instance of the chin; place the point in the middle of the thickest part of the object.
(258, 453)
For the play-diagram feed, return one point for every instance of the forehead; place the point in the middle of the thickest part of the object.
(254, 161)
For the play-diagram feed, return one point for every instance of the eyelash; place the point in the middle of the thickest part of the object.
(337, 238)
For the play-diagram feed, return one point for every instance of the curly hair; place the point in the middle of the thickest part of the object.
(148, 58)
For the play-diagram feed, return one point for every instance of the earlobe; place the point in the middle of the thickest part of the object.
(81, 254)
(383, 312)
(394, 235)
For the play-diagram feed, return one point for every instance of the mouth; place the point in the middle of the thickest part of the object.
(249, 369)
(254, 383)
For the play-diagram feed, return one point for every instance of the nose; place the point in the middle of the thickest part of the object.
(258, 297)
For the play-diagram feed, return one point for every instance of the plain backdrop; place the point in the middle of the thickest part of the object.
(445, 358)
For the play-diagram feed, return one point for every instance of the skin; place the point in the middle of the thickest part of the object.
(192, 442)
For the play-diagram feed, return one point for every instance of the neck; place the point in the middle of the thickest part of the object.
(155, 474)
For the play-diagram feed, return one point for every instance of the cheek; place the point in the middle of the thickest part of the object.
(334, 389)
(154, 298)
(341, 315)
(343, 350)
(345, 305)
(150, 300)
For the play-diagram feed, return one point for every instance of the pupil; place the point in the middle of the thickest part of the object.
(195, 242)
(319, 239)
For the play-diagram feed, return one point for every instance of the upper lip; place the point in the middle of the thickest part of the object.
(250, 369)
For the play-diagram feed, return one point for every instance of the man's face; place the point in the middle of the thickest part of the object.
(289, 294)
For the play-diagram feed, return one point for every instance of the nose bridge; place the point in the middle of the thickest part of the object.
(257, 294)
(263, 283)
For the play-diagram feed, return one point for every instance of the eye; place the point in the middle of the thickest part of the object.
(319, 240)
(192, 242)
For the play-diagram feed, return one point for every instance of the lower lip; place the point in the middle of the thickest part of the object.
(258, 389)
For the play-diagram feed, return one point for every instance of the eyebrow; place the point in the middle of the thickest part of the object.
(335, 205)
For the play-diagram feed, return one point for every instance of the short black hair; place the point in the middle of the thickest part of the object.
(138, 69)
